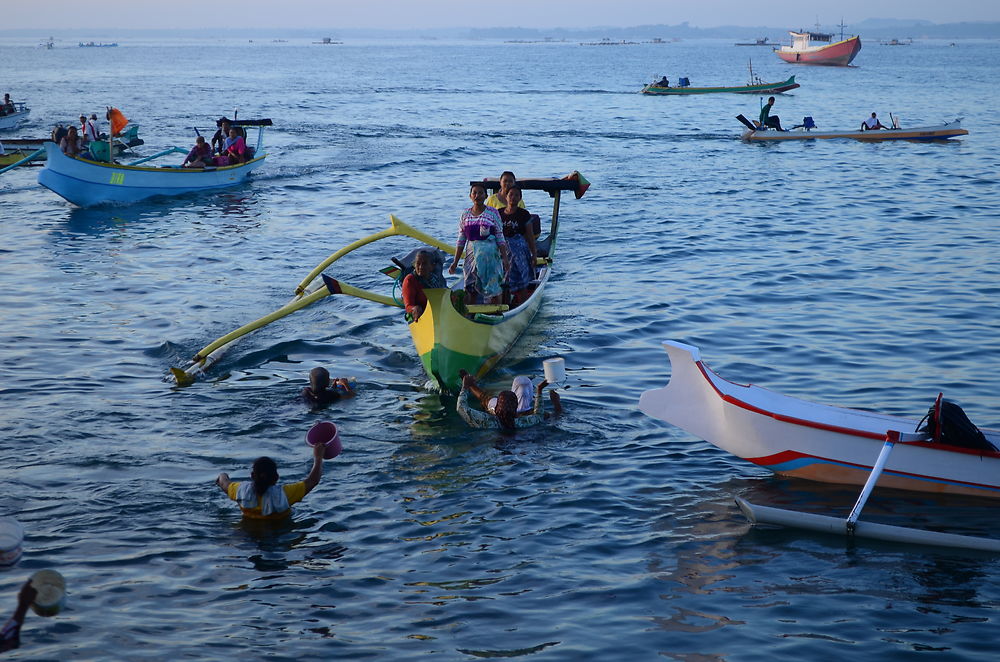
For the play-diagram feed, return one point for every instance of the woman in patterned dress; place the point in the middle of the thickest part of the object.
(517, 229)
(487, 258)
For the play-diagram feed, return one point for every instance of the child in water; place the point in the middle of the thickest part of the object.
(321, 392)
(261, 497)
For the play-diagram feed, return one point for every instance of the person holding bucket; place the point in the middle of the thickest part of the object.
(261, 498)
(504, 413)
(10, 633)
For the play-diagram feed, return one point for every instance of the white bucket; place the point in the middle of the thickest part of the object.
(11, 539)
(51, 589)
(555, 370)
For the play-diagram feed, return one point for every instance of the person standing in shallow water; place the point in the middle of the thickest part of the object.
(261, 498)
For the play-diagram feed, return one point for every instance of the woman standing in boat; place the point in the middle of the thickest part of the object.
(499, 199)
(520, 235)
(480, 229)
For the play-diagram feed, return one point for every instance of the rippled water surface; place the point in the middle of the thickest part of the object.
(856, 274)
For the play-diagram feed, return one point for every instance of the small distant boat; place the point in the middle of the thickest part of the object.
(825, 51)
(10, 120)
(896, 42)
(764, 41)
(91, 44)
(941, 132)
(749, 88)
(86, 183)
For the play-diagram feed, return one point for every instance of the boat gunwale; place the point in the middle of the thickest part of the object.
(713, 378)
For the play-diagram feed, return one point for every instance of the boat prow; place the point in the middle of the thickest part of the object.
(813, 441)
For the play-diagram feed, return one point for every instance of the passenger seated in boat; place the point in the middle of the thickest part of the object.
(519, 232)
(504, 413)
(323, 391)
(872, 124)
(221, 134)
(499, 199)
(236, 147)
(8, 105)
(58, 134)
(487, 258)
(767, 120)
(261, 497)
(663, 82)
(199, 156)
(423, 275)
(72, 143)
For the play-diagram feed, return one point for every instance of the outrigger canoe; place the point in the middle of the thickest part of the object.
(450, 336)
(824, 443)
(85, 182)
(941, 132)
(755, 88)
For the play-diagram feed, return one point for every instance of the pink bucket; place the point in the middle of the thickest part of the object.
(325, 433)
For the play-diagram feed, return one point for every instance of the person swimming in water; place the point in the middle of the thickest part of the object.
(322, 392)
(261, 498)
(504, 411)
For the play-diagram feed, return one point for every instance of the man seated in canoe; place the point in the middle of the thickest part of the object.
(663, 82)
(199, 156)
(872, 124)
(767, 120)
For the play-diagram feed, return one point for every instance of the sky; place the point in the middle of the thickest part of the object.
(418, 14)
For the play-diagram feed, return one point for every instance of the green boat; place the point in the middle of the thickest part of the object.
(450, 336)
(756, 87)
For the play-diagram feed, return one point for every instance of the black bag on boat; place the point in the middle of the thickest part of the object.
(948, 424)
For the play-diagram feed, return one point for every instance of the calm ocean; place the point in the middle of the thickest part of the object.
(863, 275)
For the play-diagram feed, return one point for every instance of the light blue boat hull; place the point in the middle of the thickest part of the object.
(88, 183)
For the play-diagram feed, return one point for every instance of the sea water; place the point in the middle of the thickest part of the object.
(859, 274)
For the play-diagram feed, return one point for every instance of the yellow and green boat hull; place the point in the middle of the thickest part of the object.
(448, 342)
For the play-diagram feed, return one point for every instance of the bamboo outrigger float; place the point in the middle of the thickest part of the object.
(449, 336)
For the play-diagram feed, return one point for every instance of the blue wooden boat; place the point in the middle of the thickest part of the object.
(86, 182)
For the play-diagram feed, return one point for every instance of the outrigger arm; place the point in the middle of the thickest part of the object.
(305, 296)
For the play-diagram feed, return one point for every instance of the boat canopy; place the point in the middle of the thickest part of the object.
(263, 122)
(813, 36)
(549, 184)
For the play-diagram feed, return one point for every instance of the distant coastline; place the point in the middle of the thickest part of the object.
(877, 29)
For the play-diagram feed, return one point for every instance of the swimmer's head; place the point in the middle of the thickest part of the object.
(319, 379)
(506, 409)
(264, 474)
